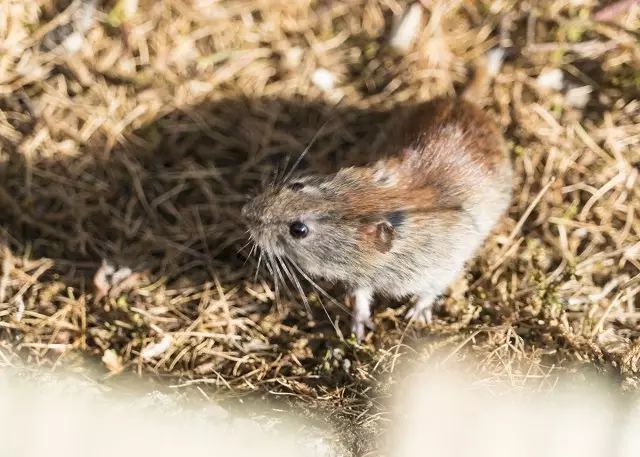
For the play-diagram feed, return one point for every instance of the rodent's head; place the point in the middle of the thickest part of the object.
(328, 226)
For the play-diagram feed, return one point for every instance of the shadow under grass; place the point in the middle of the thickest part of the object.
(168, 200)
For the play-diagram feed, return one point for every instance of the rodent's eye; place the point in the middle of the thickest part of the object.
(298, 229)
(296, 186)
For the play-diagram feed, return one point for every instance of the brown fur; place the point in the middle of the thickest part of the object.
(482, 139)
(423, 181)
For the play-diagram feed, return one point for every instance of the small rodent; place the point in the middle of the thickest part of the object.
(404, 225)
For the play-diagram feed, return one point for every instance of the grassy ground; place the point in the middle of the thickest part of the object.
(137, 143)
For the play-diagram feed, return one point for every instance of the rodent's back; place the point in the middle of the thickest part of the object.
(452, 145)
(449, 134)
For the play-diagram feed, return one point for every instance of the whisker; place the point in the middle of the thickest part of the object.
(280, 176)
(255, 276)
(280, 270)
(278, 273)
(319, 289)
(333, 324)
(271, 269)
(304, 152)
(244, 247)
(251, 252)
(254, 248)
(294, 280)
(324, 308)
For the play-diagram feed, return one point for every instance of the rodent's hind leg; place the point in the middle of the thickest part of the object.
(361, 314)
(422, 311)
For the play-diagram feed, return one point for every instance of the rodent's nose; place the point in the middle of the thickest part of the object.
(250, 212)
(256, 211)
(246, 211)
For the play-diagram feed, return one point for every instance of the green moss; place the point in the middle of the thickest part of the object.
(121, 303)
(557, 109)
(370, 50)
(557, 57)
(118, 14)
(571, 212)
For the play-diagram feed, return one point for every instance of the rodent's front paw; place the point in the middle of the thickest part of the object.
(359, 324)
(420, 315)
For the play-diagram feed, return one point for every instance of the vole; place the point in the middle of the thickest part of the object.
(404, 225)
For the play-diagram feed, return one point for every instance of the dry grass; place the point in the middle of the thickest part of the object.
(140, 147)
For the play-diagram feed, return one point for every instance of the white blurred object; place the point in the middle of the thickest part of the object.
(435, 412)
(73, 42)
(551, 78)
(156, 349)
(129, 8)
(293, 57)
(85, 16)
(406, 31)
(578, 96)
(72, 417)
(323, 79)
(495, 59)
(439, 414)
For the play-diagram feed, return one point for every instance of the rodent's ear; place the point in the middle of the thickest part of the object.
(379, 234)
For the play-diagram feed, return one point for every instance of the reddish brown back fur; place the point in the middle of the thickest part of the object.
(482, 139)
(371, 198)
(445, 146)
